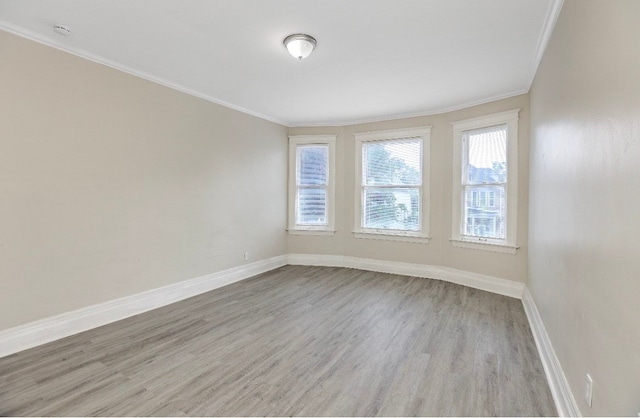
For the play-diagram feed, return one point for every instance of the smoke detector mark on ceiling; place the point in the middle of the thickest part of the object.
(62, 30)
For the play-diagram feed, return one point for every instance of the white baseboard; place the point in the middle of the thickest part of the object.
(54, 328)
(465, 278)
(562, 395)
(50, 329)
(560, 390)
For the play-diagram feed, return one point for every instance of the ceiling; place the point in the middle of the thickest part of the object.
(375, 59)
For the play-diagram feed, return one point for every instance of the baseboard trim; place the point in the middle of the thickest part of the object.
(30, 335)
(560, 390)
(60, 326)
(465, 278)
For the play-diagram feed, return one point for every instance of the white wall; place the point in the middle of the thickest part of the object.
(439, 251)
(584, 247)
(111, 185)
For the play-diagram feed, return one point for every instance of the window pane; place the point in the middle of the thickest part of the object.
(313, 164)
(484, 217)
(487, 155)
(392, 208)
(392, 162)
(312, 207)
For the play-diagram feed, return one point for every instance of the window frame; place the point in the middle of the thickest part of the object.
(310, 140)
(422, 235)
(509, 244)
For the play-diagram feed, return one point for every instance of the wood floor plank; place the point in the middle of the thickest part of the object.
(303, 341)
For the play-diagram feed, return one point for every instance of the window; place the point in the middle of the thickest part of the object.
(485, 182)
(392, 191)
(483, 199)
(311, 184)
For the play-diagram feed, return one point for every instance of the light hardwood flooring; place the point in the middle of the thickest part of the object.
(295, 341)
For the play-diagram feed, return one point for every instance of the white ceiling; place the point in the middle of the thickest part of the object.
(375, 59)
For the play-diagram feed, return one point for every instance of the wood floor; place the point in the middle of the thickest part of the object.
(295, 341)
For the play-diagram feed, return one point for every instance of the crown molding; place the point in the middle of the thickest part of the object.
(432, 112)
(39, 38)
(547, 29)
(551, 17)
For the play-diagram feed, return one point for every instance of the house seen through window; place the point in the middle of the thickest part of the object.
(484, 182)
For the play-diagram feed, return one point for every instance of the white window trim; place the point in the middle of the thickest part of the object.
(422, 236)
(294, 141)
(508, 245)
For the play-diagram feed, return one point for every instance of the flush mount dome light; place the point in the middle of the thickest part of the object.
(300, 45)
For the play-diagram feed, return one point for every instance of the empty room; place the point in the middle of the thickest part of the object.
(319, 208)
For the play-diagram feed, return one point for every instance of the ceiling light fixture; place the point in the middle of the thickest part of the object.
(300, 45)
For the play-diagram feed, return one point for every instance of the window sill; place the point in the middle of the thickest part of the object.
(317, 232)
(485, 246)
(416, 239)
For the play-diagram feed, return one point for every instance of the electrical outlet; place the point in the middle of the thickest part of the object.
(246, 256)
(588, 390)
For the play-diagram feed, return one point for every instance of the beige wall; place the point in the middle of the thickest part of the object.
(111, 185)
(584, 247)
(438, 251)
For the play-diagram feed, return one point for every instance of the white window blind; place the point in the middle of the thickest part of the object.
(484, 182)
(312, 180)
(392, 184)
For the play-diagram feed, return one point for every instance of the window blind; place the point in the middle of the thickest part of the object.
(392, 180)
(312, 180)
